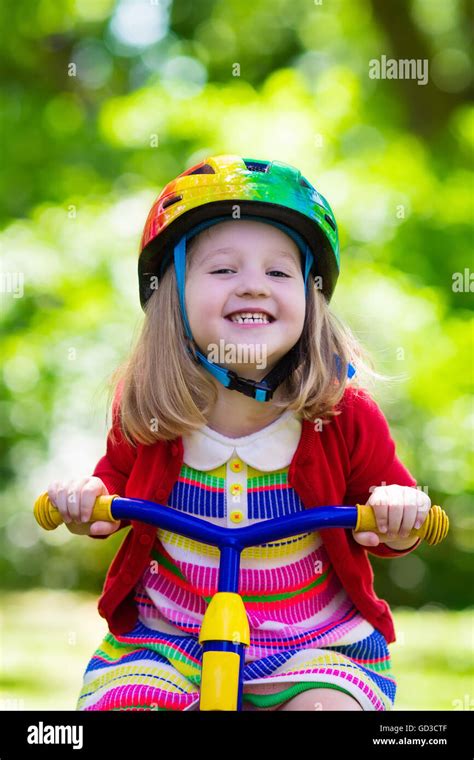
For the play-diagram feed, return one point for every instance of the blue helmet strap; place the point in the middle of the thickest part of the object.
(261, 390)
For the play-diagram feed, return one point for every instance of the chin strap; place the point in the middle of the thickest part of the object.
(260, 390)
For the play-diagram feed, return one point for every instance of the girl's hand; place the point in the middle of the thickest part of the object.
(74, 499)
(398, 509)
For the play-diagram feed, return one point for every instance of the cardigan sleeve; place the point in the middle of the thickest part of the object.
(373, 460)
(116, 465)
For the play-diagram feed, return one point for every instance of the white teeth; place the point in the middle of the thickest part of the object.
(246, 317)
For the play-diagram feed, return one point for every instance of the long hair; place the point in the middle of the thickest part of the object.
(164, 393)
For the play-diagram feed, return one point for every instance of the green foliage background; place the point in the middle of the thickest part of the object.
(155, 87)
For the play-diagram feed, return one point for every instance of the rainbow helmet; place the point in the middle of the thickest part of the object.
(214, 187)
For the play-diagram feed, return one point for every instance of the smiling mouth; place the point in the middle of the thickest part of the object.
(249, 318)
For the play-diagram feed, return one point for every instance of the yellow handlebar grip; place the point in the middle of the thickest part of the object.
(434, 529)
(49, 517)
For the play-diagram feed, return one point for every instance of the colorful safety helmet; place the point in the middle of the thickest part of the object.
(223, 188)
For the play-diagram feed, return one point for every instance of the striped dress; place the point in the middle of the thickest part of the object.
(305, 631)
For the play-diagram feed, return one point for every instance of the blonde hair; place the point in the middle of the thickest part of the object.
(165, 393)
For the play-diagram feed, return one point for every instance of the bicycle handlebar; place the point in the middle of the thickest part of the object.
(113, 508)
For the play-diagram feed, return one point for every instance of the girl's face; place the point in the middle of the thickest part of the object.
(245, 266)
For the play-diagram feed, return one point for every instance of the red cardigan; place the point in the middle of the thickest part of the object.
(337, 465)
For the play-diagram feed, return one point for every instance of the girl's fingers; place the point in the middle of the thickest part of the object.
(415, 506)
(53, 492)
(62, 502)
(58, 495)
(103, 528)
(366, 538)
(408, 521)
(423, 506)
(91, 489)
(400, 509)
(381, 515)
(395, 517)
(74, 499)
(380, 500)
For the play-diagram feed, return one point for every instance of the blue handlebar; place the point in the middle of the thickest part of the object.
(231, 541)
(169, 518)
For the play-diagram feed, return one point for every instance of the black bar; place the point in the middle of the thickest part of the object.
(125, 734)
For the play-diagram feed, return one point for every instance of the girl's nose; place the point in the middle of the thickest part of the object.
(253, 284)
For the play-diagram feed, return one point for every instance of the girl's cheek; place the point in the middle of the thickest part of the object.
(204, 301)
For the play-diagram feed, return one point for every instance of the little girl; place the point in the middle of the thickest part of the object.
(236, 406)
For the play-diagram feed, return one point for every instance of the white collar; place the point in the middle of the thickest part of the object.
(270, 448)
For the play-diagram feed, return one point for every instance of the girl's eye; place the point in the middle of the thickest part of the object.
(218, 271)
(278, 272)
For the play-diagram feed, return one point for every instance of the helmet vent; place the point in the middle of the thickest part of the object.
(257, 166)
(204, 169)
(304, 182)
(330, 222)
(169, 201)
